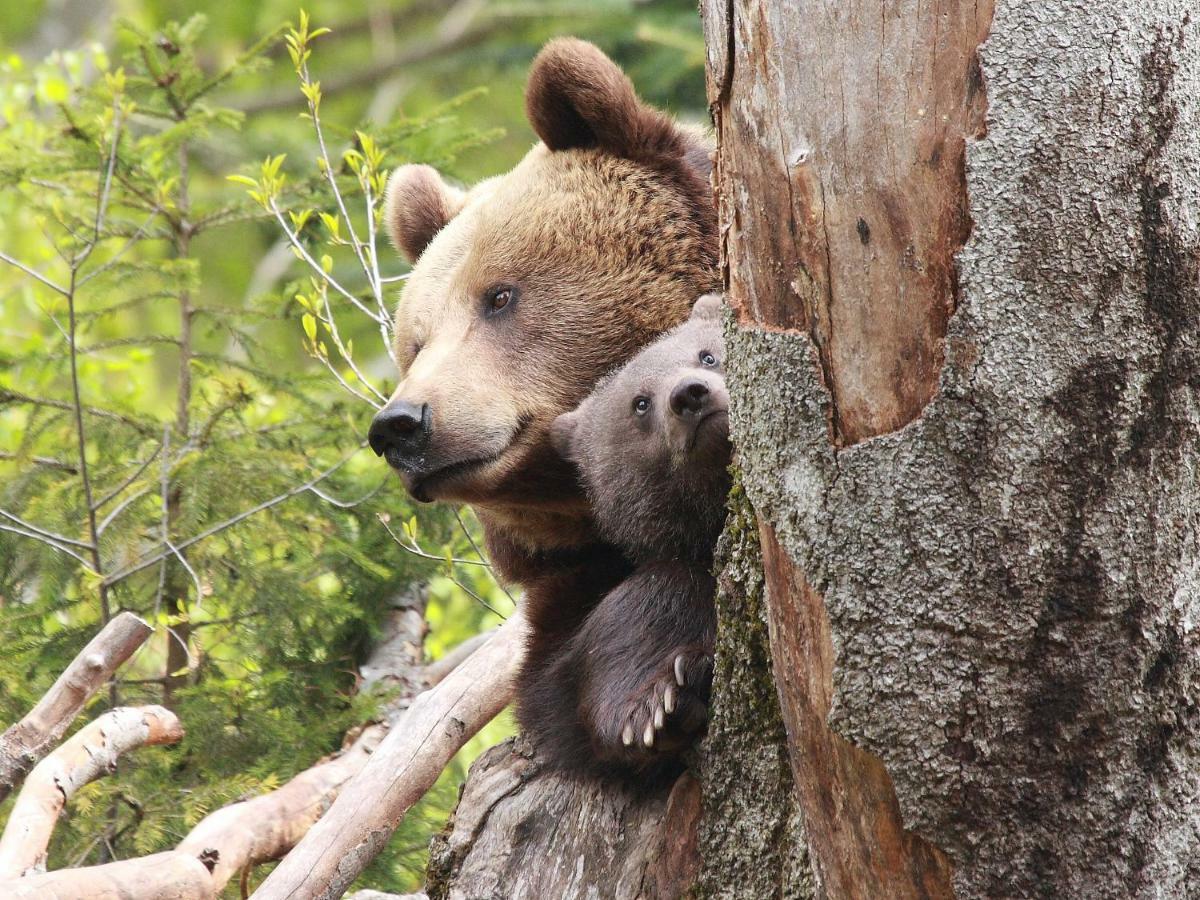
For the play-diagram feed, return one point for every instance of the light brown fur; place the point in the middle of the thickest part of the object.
(608, 251)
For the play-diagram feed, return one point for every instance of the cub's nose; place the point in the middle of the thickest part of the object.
(689, 398)
(401, 429)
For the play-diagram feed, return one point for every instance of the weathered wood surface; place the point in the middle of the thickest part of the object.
(27, 741)
(266, 827)
(91, 753)
(161, 876)
(977, 490)
(523, 833)
(401, 769)
(229, 841)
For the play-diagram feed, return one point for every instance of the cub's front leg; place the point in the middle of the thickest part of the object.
(646, 658)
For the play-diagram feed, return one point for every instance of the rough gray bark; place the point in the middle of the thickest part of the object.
(991, 593)
(751, 838)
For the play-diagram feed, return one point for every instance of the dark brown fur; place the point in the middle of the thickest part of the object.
(629, 690)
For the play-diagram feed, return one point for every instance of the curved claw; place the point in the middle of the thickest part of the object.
(669, 699)
(627, 735)
(648, 735)
(659, 718)
(679, 671)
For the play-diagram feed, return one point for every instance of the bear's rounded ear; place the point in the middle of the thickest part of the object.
(417, 206)
(562, 434)
(578, 97)
(708, 307)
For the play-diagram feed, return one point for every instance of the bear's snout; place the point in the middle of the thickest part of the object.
(400, 433)
(690, 397)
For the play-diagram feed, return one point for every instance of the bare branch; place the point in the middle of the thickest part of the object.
(111, 495)
(32, 273)
(417, 551)
(438, 669)
(89, 754)
(44, 461)
(115, 258)
(42, 532)
(400, 771)
(49, 543)
(10, 396)
(265, 828)
(24, 743)
(171, 874)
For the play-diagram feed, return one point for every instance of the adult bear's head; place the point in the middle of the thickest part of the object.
(529, 287)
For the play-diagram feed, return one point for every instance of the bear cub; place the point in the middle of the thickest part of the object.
(630, 690)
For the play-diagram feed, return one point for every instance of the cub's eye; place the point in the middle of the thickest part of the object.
(498, 298)
(707, 358)
(641, 405)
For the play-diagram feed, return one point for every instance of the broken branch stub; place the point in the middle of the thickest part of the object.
(26, 742)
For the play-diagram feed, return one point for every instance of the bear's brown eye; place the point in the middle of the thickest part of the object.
(498, 298)
(641, 405)
(707, 358)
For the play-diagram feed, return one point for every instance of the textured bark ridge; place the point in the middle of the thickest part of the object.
(752, 839)
(523, 833)
(1010, 580)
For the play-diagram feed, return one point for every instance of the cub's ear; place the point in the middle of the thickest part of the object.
(562, 434)
(577, 97)
(418, 204)
(708, 307)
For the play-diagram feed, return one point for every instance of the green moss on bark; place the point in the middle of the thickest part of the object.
(752, 840)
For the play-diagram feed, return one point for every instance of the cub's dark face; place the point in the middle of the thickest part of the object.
(526, 289)
(652, 443)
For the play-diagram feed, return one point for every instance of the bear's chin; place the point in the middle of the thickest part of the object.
(463, 482)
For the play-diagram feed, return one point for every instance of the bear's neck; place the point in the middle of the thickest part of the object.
(539, 529)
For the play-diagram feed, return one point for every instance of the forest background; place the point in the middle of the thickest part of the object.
(192, 341)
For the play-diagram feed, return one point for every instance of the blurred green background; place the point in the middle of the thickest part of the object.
(203, 384)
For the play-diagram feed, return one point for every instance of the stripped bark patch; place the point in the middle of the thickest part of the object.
(855, 830)
(842, 173)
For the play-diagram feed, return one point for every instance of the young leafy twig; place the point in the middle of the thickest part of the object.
(450, 561)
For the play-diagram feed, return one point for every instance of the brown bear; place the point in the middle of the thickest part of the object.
(524, 291)
(630, 689)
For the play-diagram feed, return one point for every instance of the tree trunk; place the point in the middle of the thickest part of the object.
(523, 833)
(964, 270)
(963, 365)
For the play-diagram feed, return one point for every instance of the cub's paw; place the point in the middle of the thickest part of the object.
(671, 707)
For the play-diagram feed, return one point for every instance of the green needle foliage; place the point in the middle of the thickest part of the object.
(192, 345)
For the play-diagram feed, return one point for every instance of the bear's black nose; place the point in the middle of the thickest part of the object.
(401, 429)
(689, 397)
